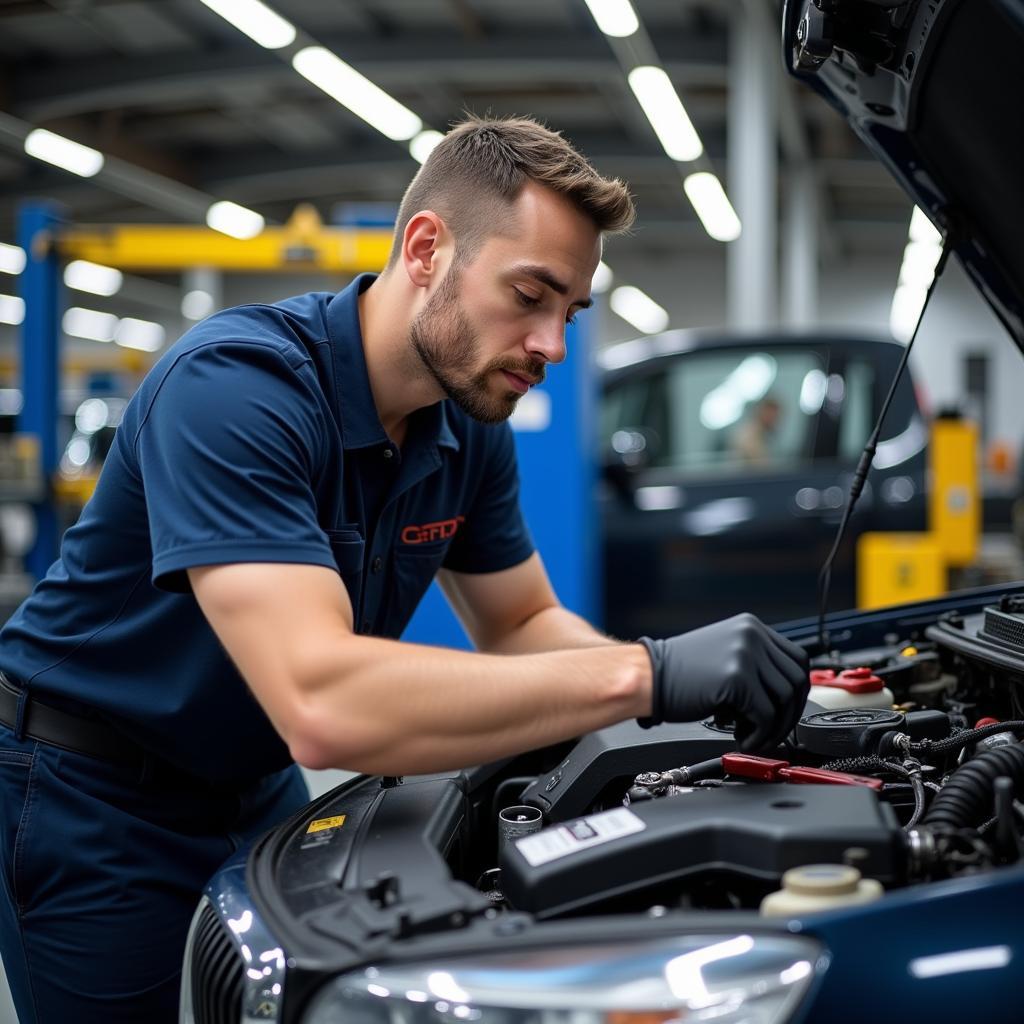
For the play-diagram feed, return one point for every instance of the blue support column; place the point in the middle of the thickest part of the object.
(556, 443)
(40, 333)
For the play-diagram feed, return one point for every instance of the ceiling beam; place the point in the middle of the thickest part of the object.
(74, 87)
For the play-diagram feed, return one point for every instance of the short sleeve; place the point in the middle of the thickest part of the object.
(228, 452)
(494, 535)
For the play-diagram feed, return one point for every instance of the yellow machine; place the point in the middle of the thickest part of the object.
(303, 245)
(893, 568)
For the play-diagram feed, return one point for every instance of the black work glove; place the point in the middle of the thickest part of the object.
(737, 667)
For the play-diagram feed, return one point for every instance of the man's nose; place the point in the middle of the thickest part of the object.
(547, 344)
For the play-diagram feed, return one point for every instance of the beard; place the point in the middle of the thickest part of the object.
(448, 346)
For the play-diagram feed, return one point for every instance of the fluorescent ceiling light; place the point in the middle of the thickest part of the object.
(141, 334)
(916, 275)
(12, 309)
(919, 262)
(639, 309)
(234, 220)
(90, 324)
(63, 153)
(614, 17)
(12, 258)
(84, 276)
(351, 89)
(907, 303)
(708, 197)
(922, 229)
(196, 305)
(424, 144)
(660, 101)
(602, 279)
(256, 20)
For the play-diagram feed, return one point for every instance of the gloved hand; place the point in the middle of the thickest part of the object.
(737, 667)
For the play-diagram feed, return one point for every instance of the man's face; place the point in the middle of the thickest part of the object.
(488, 332)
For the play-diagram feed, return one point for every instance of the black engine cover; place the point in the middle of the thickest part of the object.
(757, 831)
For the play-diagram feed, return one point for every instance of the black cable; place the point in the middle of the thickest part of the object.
(961, 739)
(861, 474)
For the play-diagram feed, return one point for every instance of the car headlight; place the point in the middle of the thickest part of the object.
(725, 978)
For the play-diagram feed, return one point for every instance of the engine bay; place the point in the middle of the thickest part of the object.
(905, 769)
(918, 784)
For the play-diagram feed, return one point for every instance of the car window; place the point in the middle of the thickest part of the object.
(741, 409)
(856, 417)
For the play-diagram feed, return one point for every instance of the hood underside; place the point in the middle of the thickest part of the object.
(934, 88)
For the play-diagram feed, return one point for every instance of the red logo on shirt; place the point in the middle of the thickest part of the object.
(431, 531)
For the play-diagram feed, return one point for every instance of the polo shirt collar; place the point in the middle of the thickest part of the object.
(360, 422)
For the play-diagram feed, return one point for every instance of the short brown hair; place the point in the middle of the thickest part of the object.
(479, 168)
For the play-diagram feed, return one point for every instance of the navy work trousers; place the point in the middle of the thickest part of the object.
(100, 873)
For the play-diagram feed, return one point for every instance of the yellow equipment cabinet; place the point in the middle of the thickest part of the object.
(954, 505)
(893, 568)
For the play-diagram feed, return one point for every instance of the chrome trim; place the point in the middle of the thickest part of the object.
(263, 961)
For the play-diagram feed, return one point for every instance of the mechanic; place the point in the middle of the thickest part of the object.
(282, 489)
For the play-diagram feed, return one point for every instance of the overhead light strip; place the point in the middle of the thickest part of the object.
(83, 276)
(639, 309)
(256, 20)
(712, 205)
(234, 220)
(660, 102)
(12, 258)
(128, 332)
(615, 18)
(61, 152)
(342, 82)
(922, 252)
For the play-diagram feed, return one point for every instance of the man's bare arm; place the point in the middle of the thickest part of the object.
(382, 706)
(515, 611)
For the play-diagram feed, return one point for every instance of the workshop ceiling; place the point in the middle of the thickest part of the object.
(170, 87)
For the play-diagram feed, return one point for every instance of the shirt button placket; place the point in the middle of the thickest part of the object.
(377, 564)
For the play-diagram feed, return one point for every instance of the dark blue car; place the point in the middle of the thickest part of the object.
(727, 463)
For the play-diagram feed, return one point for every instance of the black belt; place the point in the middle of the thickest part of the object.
(65, 730)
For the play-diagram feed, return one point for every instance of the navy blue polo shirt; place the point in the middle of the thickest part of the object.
(254, 439)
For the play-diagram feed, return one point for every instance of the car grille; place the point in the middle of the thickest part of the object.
(1007, 627)
(216, 972)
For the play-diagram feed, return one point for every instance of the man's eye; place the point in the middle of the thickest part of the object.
(571, 319)
(526, 300)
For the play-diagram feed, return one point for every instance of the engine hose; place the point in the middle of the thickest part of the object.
(967, 797)
(919, 804)
(857, 765)
(961, 739)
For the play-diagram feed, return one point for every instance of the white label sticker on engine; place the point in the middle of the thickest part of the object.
(581, 834)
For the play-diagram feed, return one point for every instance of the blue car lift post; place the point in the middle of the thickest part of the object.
(40, 333)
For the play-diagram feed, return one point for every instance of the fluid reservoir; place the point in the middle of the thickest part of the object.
(820, 887)
(854, 688)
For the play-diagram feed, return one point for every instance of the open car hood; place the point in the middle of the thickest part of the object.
(934, 88)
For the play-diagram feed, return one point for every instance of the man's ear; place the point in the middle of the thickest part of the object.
(425, 235)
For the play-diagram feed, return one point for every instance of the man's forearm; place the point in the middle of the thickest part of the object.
(552, 629)
(396, 708)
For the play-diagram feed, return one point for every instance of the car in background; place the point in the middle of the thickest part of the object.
(727, 461)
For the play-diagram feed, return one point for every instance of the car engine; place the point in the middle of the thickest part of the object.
(919, 783)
